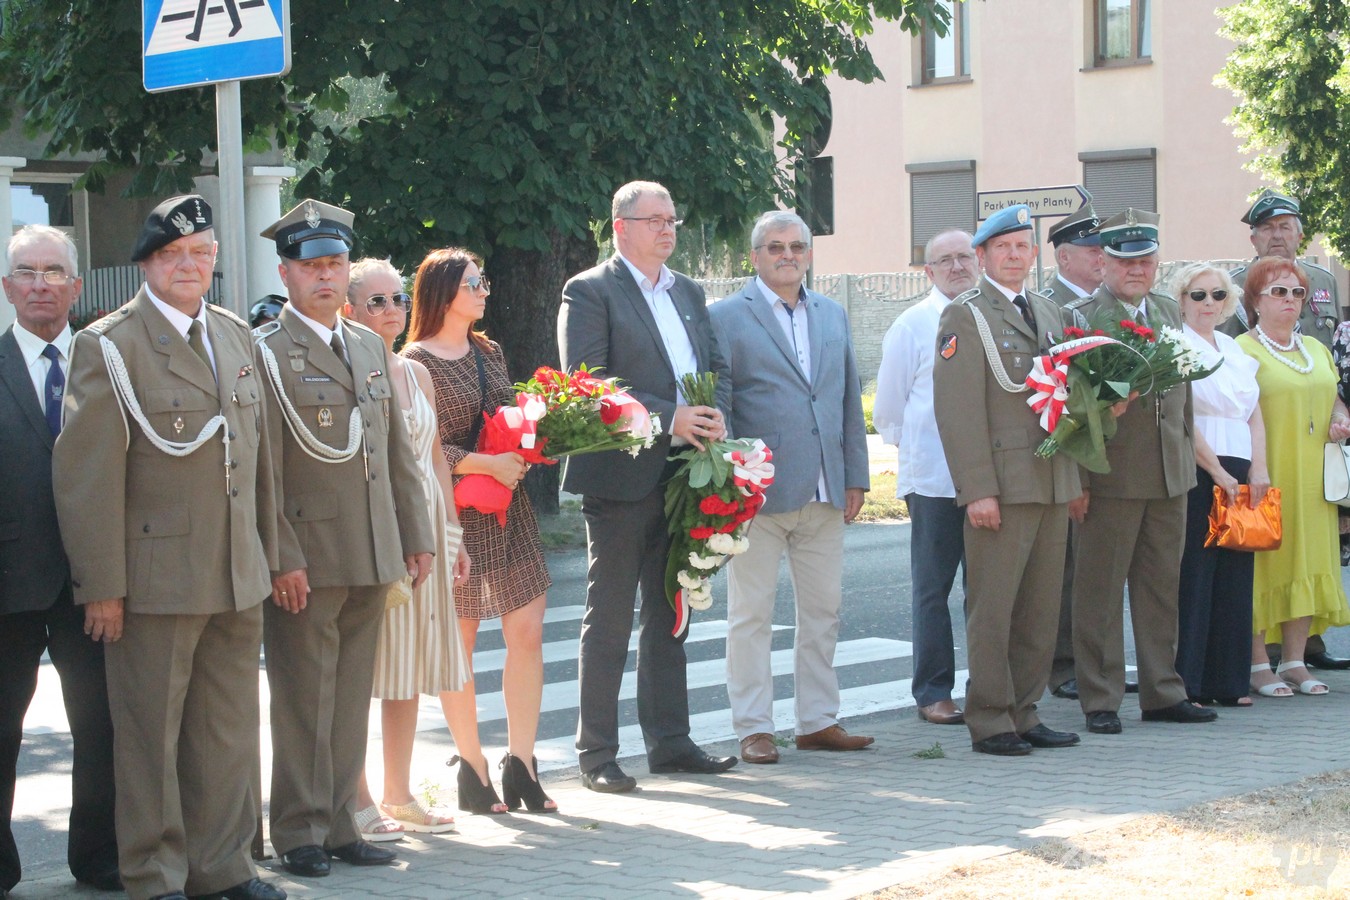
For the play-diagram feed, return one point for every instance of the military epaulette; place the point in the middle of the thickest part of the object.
(109, 322)
(967, 296)
(222, 311)
(1042, 294)
(1163, 295)
(363, 330)
(1234, 273)
(1313, 265)
(265, 330)
(1080, 302)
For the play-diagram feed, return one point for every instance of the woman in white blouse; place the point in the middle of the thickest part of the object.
(1215, 606)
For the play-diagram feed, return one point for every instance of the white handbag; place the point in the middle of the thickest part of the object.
(1336, 473)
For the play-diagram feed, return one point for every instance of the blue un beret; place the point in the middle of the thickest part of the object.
(1014, 218)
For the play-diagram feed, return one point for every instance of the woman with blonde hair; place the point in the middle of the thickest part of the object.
(509, 578)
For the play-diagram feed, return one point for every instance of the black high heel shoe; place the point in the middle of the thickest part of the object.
(474, 796)
(519, 783)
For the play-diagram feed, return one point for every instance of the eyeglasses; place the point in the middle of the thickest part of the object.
(28, 277)
(778, 248)
(476, 281)
(947, 262)
(1280, 291)
(656, 223)
(378, 302)
(1219, 295)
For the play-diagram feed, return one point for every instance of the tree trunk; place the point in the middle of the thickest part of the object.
(522, 316)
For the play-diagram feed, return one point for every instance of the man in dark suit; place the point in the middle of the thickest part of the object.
(1016, 503)
(1132, 520)
(164, 494)
(351, 520)
(639, 321)
(794, 384)
(37, 609)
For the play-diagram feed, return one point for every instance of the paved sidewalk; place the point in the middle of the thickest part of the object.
(839, 825)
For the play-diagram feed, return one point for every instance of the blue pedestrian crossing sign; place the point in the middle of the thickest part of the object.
(187, 43)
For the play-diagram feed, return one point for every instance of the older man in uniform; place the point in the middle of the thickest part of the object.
(1016, 503)
(1132, 520)
(165, 498)
(37, 609)
(352, 520)
(903, 415)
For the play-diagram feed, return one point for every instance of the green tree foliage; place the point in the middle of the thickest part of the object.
(506, 125)
(1292, 79)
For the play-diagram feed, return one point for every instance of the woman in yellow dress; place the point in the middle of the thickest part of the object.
(1297, 588)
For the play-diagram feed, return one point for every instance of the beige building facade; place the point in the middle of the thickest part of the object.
(1116, 95)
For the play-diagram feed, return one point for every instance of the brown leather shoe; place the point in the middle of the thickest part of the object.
(832, 738)
(943, 712)
(759, 748)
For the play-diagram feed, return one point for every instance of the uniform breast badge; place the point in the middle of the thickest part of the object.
(297, 358)
(178, 425)
(325, 417)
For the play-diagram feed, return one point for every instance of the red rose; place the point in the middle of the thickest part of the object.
(1072, 332)
(1145, 333)
(1127, 324)
(701, 533)
(610, 412)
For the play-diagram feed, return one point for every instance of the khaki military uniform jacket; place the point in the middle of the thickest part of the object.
(173, 535)
(1320, 313)
(990, 435)
(1060, 292)
(348, 523)
(1152, 455)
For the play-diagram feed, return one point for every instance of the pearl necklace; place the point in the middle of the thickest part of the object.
(1295, 343)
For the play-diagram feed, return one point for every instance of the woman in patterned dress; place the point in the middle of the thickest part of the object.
(420, 649)
(509, 578)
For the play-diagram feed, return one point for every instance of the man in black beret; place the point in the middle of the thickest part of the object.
(165, 500)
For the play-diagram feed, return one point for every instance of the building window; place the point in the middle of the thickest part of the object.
(1121, 178)
(941, 196)
(1122, 31)
(947, 57)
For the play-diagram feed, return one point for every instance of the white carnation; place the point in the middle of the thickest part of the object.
(688, 581)
(705, 562)
(739, 545)
(699, 598)
(721, 543)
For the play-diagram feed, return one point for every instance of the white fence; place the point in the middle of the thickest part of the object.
(108, 288)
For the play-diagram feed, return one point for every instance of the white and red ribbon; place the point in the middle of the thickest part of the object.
(1050, 388)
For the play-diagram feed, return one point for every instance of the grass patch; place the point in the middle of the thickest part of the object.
(933, 752)
(880, 503)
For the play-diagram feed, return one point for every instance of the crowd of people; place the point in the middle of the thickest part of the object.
(197, 490)
(1048, 547)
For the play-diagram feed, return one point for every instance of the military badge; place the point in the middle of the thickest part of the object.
(947, 346)
(178, 425)
(325, 417)
(1023, 217)
(1320, 296)
(297, 358)
(182, 223)
(312, 217)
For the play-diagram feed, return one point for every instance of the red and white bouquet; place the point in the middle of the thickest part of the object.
(556, 414)
(710, 501)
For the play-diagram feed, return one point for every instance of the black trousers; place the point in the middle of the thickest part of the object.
(1214, 638)
(59, 630)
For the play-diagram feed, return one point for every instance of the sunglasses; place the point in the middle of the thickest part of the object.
(476, 281)
(1279, 291)
(778, 248)
(1219, 295)
(379, 302)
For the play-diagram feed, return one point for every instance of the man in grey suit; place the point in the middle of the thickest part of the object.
(37, 609)
(638, 321)
(794, 384)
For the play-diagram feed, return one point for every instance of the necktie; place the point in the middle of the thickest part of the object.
(1021, 303)
(54, 389)
(1140, 317)
(198, 345)
(339, 350)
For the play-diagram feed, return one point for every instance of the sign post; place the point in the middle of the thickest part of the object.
(190, 43)
(1044, 202)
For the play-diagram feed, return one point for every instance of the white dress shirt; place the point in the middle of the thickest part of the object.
(31, 346)
(181, 322)
(903, 412)
(679, 348)
(1226, 399)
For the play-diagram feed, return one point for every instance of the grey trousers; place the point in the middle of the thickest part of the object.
(936, 548)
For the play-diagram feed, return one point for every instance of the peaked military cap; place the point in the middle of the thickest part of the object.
(1079, 227)
(175, 218)
(1130, 233)
(312, 229)
(1269, 205)
(1005, 221)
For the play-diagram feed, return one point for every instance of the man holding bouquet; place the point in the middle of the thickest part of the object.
(1133, 520)
(794, 384)
(1016, 502)
(635, 319)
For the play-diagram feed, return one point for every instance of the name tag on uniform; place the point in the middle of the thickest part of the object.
(314, 379)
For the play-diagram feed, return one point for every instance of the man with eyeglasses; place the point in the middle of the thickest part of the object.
(352, 520)
(1276, 224)
(37, 608)
(164, 492)
(795, 385)
(1015, 503)
(1132, 519)
(904, 416)
(649, 326)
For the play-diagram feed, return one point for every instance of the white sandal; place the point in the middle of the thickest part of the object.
(1311, 688)
(377, 827)
(416, 818)
(1277, 689)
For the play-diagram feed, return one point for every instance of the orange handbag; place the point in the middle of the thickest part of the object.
(1236, 526)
